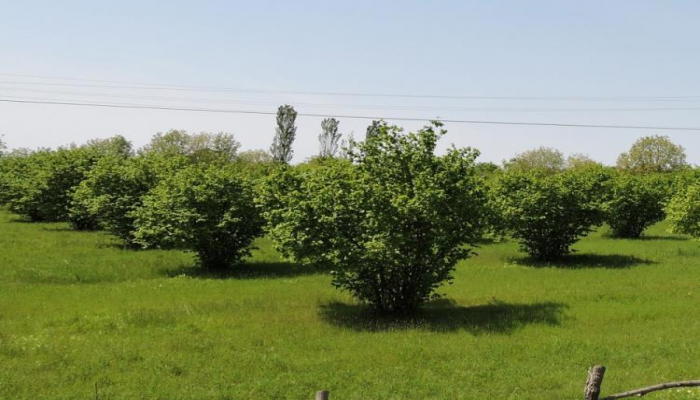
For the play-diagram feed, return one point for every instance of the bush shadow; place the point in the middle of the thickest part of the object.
(658, 237)
(585, 261)
(66, 229)
(248, 270)
(643, 237)
(446, 316)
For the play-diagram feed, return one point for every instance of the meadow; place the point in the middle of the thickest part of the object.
(81, 317)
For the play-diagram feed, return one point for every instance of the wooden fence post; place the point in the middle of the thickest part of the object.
(595, 379)
(322, 395)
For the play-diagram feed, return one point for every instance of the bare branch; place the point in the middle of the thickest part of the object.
(661, 386)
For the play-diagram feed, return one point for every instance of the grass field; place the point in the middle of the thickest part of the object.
(80, 314)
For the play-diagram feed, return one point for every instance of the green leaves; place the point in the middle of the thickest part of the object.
(636, 202)
(684, 211)
(113, 190)
(392, 224)
(653, 154)
(549, 213)
(39, 185)
(208, 209)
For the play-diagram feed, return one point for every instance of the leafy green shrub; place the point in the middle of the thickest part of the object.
(40, 190)
(310, 211)
(678, 182)
(684, 211)
(114, 189)
(39, 185)
(637, 202)
(210, 210)
(392, 225)
(549, 213)
(12, 167)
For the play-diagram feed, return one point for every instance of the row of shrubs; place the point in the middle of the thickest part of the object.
(391, 220)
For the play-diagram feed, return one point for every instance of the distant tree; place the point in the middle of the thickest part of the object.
(653, 154)
(116, 146)
(210, 147)
(329, 139)
(173, 142)
(392, 224)
(257, 162)
(285, 133)
(207, 209)
(544, 159)
(347, 147)
(199, 147)
(577, 161)
(3, 146)
(374, 128)
(486, 168)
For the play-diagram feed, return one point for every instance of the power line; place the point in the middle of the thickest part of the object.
(354, 106)
(454, 121)
(159, 86)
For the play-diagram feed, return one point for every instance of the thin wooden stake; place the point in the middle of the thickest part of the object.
(595, 379)
(322, 395)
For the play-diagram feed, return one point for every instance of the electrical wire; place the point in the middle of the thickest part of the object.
(455, 121)
(354, 106)
(159, 86)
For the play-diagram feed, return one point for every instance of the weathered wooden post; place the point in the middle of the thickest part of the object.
(595, 379)
(322, 395)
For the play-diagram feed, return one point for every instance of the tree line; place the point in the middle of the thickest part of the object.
(386, 215)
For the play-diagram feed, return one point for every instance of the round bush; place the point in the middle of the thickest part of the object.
(547, 214)
(209, 210)
(636, 202)
(392, 225)
(114, 189)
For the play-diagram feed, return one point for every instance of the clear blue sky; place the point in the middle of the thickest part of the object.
(632, 48)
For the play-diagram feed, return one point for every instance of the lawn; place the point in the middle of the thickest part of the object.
(80, 317)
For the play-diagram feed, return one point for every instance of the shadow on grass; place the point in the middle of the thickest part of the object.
(446, 316)
(584, 261)
(66, 229)
(23, 220)
(247, 270)
(609, 235)
(658, 237)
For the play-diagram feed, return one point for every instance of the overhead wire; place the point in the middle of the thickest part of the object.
(161, 86)
(366, 117)
(341, 105)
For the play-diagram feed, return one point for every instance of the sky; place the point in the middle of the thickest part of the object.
(623, 62)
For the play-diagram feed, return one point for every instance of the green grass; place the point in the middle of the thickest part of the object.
(77, 311)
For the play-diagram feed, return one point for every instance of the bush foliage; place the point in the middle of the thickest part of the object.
(40, 185)
(549, 213)
(207, 209)
(392, 224)
(684, 211)
(114, 189)
(636, 202)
